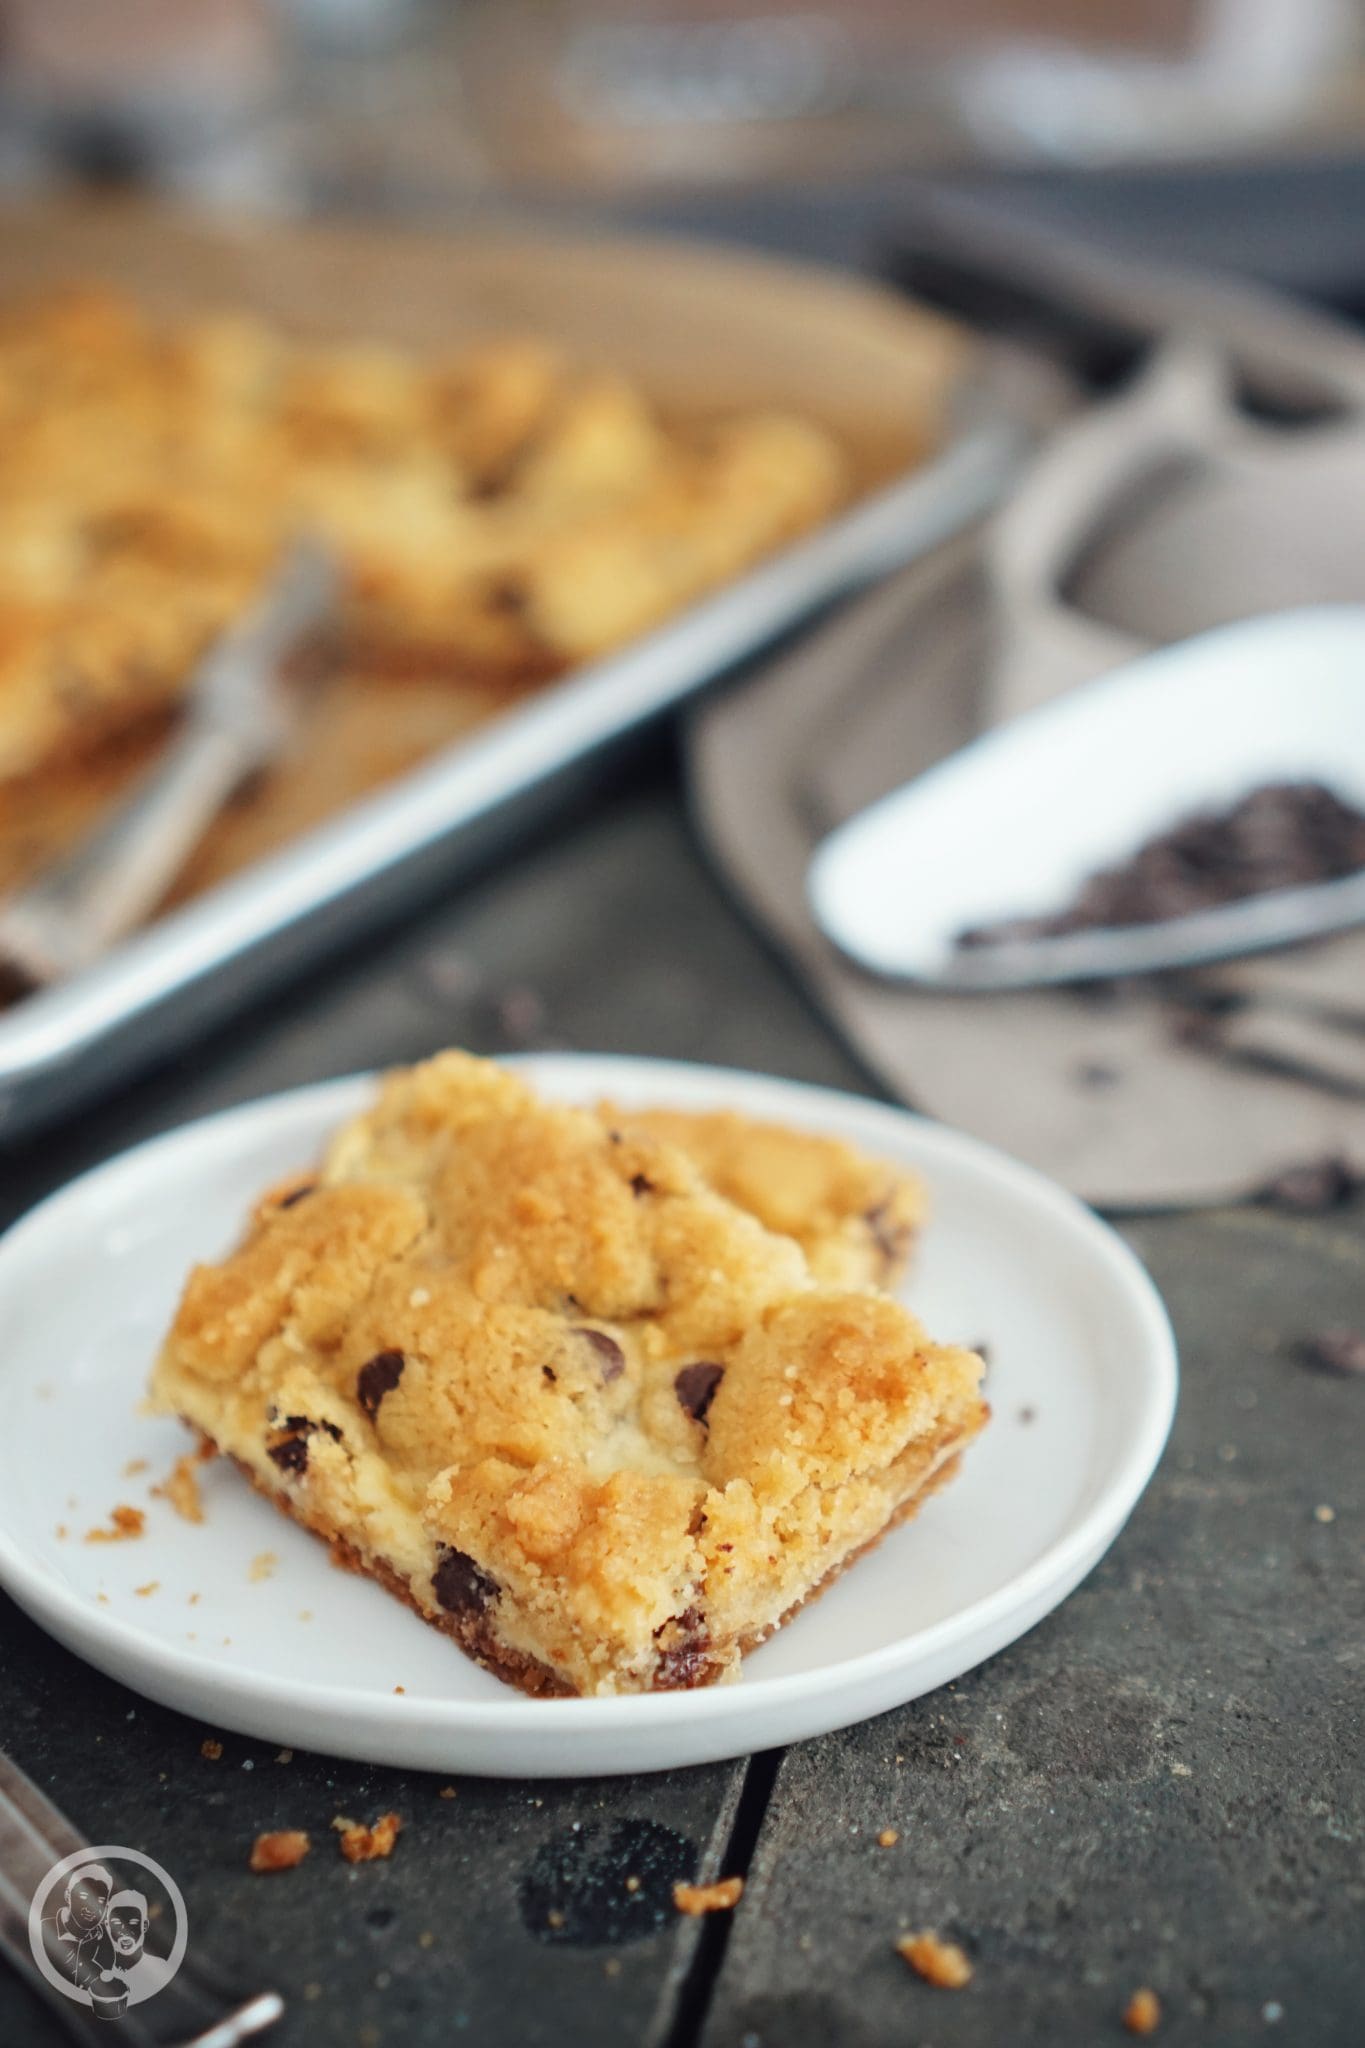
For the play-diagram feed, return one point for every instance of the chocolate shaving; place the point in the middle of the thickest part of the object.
(297, 1194)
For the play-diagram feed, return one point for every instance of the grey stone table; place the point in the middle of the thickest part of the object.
(1164, 1784)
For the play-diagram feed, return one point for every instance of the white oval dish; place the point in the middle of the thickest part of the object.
(1082, 1383)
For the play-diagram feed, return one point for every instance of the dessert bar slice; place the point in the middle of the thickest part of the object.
(526, 1367)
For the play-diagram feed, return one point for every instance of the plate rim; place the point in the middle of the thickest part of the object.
(54, 1604)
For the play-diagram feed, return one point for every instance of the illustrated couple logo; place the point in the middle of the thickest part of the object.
(107, 1927)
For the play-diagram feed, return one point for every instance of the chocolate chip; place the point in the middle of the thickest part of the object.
(291, 1455)
(297, 1194)
(641, 1184)
(378, 1376)
(1339, 1350)
(611, 1359)
(686, 1661)
(460, 1586)
(1314, 1186)
(551, 1375)
(696, 1386)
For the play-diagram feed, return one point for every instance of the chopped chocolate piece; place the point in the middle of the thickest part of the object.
(696, 1387)
(291, 1455)
(1339, 1350)
(611, 1359)
(297, 1194)
(891, 1237)
(1314, 1186)
(1284, 835)
(641, 1184)
(378, 1376)
(460, 1586)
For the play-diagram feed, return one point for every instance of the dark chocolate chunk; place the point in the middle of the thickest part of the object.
(611, 1359)
(641, 1184)
(291, 1455)
(686, 1661)
(460, 1586)
(696, 1387)
(378, 1376)
(297, 1194)
(1340, 1350)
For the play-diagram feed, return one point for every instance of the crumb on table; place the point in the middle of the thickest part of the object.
(280, 1850)
(446, 1792)
(888, 1838)
(212, 1749)
(1142, 2014)
(939, 1962)
(360, 1844)
(124, 1524)
(708, 1898)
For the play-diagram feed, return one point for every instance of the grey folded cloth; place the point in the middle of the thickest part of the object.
(1172, 510)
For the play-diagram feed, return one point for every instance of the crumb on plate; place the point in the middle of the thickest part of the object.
(181, 1485)
(125, 1523)
(262, 1566)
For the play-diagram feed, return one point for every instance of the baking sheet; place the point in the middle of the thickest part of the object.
(699, 329)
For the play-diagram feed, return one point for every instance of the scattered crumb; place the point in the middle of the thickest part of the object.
(1179, 1770)
(632, 1884)
(1142, 2014)
(888, 1838)
(62, 1532)
(305, 1614)
(400, 1688)
(145, 1592)
(103, 1599)
(193, 1600)
(1324, 1513)
(279, 1851)
(426, 1939)
(181, 1486)
(211, 1748)
(1337, 1349)
(939, 1962)
(262, 1566)
(446, 1792)
(554, 1918)
(133, 1467)
(708, 1898)
(284, 1756)
(360, 1844)
(125, 1524)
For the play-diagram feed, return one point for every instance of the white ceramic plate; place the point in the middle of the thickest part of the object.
(1082, 1382)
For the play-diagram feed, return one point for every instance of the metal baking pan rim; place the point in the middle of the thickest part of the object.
(46, 1036)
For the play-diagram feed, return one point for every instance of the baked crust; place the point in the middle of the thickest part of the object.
(524, 1364)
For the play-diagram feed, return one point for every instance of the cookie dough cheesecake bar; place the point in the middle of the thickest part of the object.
(571, 1398)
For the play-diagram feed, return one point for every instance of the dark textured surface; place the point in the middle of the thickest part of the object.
(1045, 1813)
(1164, 1784)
